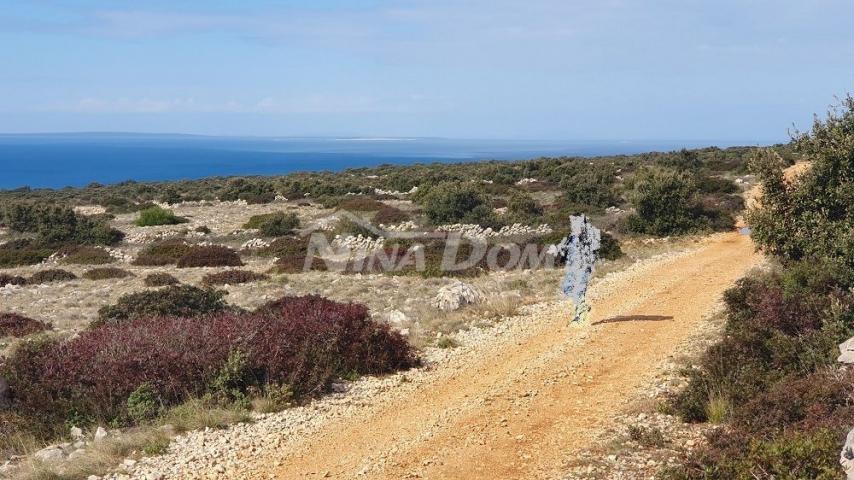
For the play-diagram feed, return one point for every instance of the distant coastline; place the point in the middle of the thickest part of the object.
(58, 160)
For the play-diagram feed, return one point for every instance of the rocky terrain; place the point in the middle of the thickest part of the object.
(266, 447)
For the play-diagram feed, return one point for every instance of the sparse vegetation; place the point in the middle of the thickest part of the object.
(773, 379)
(209, 256)
(233, 277)
(12, 280)
(165, 252)
(158, 216)
(179, 301)
(85, 255)
(106, 273)
(160, 280)
(14, 325)
(274, 224)
(51, 275)
(295, 344)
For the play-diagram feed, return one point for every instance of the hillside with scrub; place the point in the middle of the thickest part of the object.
(248, 327)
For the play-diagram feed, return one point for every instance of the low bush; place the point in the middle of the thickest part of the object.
(296, 263)
(453, 202)
(274, 224)
(388, 215)
(522, 208)
(21, 255)
(589, 186)
(12, 280)
(165, 252)
(252, 191)
(286, 246)
(209, 256)
(55, 225)
(52, 275)
(349, 227)
(85, 255)
(14, 325)
(233, 277)
(299, 342)
(792, 455)
(181, 300)
(106, 273)
(160, 280)
(361, 204)
(158, 216)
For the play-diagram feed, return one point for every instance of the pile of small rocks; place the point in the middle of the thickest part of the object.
(476, 231)
(395, 193)
(254, 243)
(357, 244)
(455, 296)
(90, 210)
(526, 181)
(400, 227)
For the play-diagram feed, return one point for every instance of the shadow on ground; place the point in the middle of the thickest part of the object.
(634, 318)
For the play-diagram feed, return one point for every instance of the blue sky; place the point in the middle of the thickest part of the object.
(543, 69)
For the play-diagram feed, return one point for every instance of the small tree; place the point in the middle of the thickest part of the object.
(453, 202)
(664, 202)
(811, 217)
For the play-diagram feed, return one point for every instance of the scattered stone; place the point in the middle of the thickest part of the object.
(52, 454)
(396, 317)
(76, 433)
(846, 458)
(455, 296)
(100, 434)
(846, 350)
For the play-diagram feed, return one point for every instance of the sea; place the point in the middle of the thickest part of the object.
(74, 160)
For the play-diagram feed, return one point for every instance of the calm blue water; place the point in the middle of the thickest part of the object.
(59, 160)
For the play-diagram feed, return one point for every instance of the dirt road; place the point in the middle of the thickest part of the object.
(520, 407)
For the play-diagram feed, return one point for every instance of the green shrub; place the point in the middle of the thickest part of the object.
(209, 256)
(791, 456)
(17, 257)
(274, 224)
(51, 275)
(106, 273)
(142, 404)
(666, 203)
(160, 280)
(591, 186)
(55, 225)
(252, 191)
(522, 208)
(810, 218)
(158, 216)
(453, 202)
(179, 301)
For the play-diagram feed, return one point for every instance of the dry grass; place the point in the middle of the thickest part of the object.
(100, 457)
(103, 456)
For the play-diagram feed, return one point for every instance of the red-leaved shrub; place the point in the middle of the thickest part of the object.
(14, 325)
(303, 342)
(210, 256)
(12, 280)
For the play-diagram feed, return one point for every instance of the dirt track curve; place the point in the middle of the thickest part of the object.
(521, 407)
